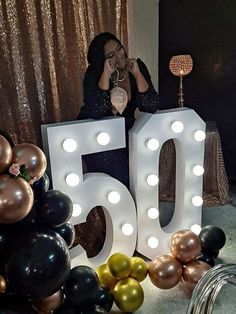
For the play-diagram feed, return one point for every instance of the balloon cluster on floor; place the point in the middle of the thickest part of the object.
(190, 257)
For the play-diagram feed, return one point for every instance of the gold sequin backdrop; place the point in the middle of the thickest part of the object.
(43, 49)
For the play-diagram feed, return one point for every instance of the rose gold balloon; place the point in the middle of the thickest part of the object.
(3, 284)
(185, 246)
(5, 154)
(50, 303)
(32, 157)
(165, 271)
(193, 272)
(16, 199)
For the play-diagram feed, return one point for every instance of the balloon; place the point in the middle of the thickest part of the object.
(5, 154)
(139, 268)
(207, 258)
(214, 254)
(54, 208)
(212, 238)
(104, 299)
(32, 157)
(7, 137)
(16, 199)
(105, 277)
(66, 309)
(119, 265)
(81, 286)
(67, 232)
(185, 246)
(38, 264)
(40, 186)
(50, 303)
(165, 271)
(3, 242)
(193, 272)
(12, 304)
(128, 295)
(3, 284)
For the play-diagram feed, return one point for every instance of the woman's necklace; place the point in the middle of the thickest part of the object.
(118, 95)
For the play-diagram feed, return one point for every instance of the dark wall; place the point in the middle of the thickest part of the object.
(205, 29)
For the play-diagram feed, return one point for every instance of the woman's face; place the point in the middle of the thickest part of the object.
(115, 52)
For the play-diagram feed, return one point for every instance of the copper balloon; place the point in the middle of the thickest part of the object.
(105, 277)
(3, 284)
(128, 295)
(139, 268)
(165, 271)
(119, 265)
(50, 303)
(16, 199)
(5, 154)
(185, 246)
(32, 157)
(193, 272)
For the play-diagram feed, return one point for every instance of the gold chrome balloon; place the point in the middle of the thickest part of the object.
(128, 295)
(139, 268)
(105, 277)
(185, 246)
(16, 199)
(165, 271)
(119, 265)
(3, 284)
(32, 157)
(5, 154)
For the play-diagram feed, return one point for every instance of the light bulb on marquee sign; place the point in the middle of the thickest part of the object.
(125, 227)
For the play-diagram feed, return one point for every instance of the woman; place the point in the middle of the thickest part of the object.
(109, 68)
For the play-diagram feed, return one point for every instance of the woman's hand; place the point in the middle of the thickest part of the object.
(109, 67)
(132, 66)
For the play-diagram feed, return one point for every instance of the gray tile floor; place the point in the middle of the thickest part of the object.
(176, 300)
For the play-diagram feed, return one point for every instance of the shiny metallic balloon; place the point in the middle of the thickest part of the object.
(139, 268)
(105, 277)
(165, 271)
(119, 265)
(3, 284)
(193, 272)
(185, 246)
(50, 303)
(32, 157)
(16, 199)
(128, 295)
(5, 154)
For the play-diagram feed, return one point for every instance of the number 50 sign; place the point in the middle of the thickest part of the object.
(132, 217)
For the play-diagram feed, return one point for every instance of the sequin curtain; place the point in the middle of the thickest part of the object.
(43, 49)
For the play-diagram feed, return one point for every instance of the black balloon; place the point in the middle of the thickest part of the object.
(67, 232)
(94, 310)
(81, 286)
(38, 264)
(212, 238)
(11, 304)
(41, 186)
(54, 208)
(66, 309)
(104, 299)
(207, 258)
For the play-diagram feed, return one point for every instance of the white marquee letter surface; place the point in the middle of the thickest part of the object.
(64, 144)
(146, 138)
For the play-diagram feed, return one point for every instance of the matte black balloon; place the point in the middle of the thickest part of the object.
(104, 299)
(41, 186)
(54, 208)
(207, 258)
(212, 238)
(67, 232)
(38, 264)
(11, 304)
(81, 286)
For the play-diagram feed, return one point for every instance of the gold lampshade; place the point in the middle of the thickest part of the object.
(181, 65)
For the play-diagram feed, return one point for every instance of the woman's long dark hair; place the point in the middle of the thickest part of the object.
(96, 56)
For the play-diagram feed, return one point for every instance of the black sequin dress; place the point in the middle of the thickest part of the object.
(97, 105)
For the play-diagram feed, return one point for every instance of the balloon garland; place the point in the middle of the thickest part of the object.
(35, 237)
